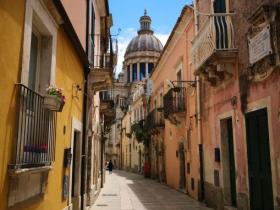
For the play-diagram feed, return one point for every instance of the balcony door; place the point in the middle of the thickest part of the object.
(182, 184)
(34, 61)
(180, 97)
(220, 6)
(220, 24)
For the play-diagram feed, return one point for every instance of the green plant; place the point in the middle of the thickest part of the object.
(54, 91)
(141, 132)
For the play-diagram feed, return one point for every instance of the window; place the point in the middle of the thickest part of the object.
(128, 74)
(35, 133)
(150, 67)
(179, 78)
(142, 71)
(221, 24)
(134, 72)
(121, 102)
(220, 6)
(34, 61)
(40, 36)
(92, 34)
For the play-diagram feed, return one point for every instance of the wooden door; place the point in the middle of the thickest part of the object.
(231, 162)
(259, 163)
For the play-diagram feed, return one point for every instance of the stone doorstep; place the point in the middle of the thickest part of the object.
(229, 208)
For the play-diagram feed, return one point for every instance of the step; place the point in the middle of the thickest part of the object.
(229, 208)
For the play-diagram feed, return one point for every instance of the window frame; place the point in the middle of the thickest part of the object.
(38, 20)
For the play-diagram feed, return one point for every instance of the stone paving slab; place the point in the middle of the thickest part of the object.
(128, 191)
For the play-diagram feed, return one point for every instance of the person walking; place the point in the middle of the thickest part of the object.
(110, 166)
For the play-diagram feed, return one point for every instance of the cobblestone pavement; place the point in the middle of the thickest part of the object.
(127, 191)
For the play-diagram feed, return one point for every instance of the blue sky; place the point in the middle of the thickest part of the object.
(126, 14)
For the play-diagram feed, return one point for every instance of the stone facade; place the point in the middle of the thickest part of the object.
(232, 91)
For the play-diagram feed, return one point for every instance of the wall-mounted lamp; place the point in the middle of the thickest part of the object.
(75, 89)
(171, 84)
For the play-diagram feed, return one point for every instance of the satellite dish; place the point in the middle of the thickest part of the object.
(170, 84)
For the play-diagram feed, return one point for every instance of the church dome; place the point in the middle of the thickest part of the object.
(145, 40)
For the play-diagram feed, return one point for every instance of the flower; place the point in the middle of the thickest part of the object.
(55, 91)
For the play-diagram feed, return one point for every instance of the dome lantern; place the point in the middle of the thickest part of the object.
(145, 24)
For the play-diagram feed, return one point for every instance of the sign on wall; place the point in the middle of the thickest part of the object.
(260, 45)
(149, 87)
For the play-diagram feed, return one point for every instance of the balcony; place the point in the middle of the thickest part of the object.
(213, 49)
(107, 107)
(103, 65)
(34, 145)
(155, 119)
(174, 102)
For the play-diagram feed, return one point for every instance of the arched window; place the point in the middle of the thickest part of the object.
(142, 71)
(134, 72)
(150, 67)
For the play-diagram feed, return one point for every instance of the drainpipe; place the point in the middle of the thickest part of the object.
(84, 156)
(199, 123)
(84, 142)
(102, 152)
(120, 158)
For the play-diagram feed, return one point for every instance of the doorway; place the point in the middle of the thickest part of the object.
(228, 162)
(182, 184)
(75, 192)
(259, 162)
(140, 161)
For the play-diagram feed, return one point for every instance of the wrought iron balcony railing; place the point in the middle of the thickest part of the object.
(107, 107)
(174, 101)
(155, 119)
(105, 96)
(215, 35)
(35, 138)
(109, 48)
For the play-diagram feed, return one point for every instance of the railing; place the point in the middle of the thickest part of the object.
(109, 47)
(151, 120)
(35, 140)
(215, 34)
(105, 96)
(174, 101)
(155, 119)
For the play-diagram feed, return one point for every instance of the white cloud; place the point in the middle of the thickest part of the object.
(124, 39)
(162, 37)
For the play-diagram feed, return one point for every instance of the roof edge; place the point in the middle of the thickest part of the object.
(70, 31)
(184, 10)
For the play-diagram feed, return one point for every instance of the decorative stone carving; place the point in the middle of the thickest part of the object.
(264, 16)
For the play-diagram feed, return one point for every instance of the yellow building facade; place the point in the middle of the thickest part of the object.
(42, 184)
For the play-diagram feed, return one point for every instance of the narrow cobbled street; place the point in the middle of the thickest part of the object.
(128, 191)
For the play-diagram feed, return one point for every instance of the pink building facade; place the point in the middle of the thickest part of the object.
(172, 109)
(236, 56)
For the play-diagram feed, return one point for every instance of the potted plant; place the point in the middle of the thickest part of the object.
(54, 100)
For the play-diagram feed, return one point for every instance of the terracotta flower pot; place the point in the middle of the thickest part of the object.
(53, 103)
